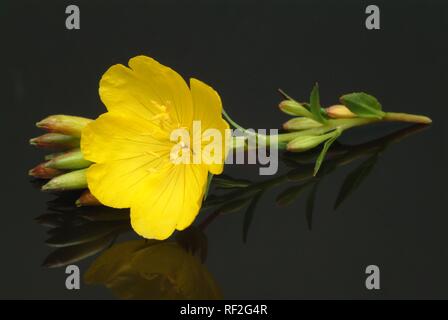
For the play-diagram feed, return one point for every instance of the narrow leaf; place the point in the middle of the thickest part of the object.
(315, 107)
(324, 151)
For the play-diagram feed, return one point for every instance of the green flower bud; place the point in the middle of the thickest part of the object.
(53, 155)
(294, 108)
(69, 125)
(303, 143)
(55, 141)
(68, 181)
(70, 160)
(301, 123)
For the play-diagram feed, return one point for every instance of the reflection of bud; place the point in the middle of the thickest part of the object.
(304, 143)
(339, 111)
(294, 108)
(87, 199)
(56, 141)
(70, 160)
(301, 124)
(69, 181)
(71, 254)
(43, 172)
(69, 125)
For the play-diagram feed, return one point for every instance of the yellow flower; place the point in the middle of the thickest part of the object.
(142, 269)
(131, 148)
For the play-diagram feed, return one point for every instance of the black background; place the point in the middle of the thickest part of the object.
(397, 219)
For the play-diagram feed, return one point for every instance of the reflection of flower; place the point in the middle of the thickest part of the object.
(142, 269)
(130, 145)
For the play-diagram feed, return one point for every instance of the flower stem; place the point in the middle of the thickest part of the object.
(405, 117)
(332, 124)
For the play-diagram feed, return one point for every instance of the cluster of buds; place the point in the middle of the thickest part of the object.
(305, 120)
(65, 167)
(312, 123)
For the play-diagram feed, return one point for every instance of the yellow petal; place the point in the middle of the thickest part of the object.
(207, 104)
(147, 89)
(208, 110)
(115, 136)
(170, 202)
(115, 183)
(168, 85)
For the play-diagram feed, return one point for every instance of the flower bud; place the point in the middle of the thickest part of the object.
(339, 111)
(70, 125)
(87, 199)
(68, 181)
(294, 108)
(52, 155)
(43, 172)
(70, 160)
(55, 141)
(303, 143)
(301, 123)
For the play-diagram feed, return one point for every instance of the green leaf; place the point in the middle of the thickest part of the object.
(324, 151)
(315, 105)
(363, 105)
(354, 179)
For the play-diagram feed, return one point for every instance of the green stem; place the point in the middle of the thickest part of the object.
(405, 117)
(332, 124)
(342, 124)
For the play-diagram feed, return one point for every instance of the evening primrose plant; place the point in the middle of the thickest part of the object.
(161, 141)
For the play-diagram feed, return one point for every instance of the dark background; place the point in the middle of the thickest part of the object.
(397, 218)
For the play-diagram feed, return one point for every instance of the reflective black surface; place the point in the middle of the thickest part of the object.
(388, 185)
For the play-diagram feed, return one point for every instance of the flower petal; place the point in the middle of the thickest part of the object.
(115, 183)
(147, 89)
(115, 136)
(170, 202)
(208, 110)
